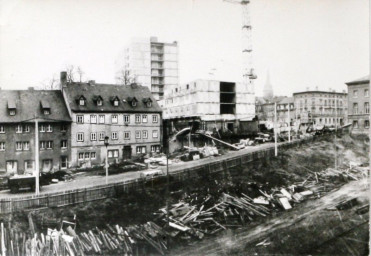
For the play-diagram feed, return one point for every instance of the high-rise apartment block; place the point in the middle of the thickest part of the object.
(152, 64)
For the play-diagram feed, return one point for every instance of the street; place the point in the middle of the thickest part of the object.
(80, 182)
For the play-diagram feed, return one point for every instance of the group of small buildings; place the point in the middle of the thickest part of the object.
(320, 107)
(74, 123)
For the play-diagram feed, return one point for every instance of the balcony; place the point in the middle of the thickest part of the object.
(158, 50)
(154, 66)
(157, 74)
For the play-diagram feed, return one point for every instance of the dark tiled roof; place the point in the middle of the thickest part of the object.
(362, 80)
(125, 93)
(28, 103)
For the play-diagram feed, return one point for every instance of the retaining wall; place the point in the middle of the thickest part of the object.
(71, 197)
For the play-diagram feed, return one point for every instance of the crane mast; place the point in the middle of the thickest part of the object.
(247, 57)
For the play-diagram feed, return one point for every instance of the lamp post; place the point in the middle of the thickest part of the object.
(106, 144)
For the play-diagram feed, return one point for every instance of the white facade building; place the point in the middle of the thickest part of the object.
(214, 103)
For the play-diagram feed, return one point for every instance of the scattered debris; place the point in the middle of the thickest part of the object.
(285, 203)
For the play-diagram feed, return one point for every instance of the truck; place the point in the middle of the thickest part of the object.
(17, 182)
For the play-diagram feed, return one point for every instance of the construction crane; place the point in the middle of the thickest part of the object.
(248, 70)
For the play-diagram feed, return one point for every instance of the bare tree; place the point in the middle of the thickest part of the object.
(73, 73)
(124, 77)
(49, 84)
(80, 73)
(70, 73)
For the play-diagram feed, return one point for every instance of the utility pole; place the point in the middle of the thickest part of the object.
(275, 129)
(189, 139)
(336, 130)
(289, 124)
(37, 165)
(167, 191)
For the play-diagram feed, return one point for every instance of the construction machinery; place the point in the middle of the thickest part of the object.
(248, 70)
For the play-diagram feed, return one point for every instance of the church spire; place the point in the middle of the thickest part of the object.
(268, 90)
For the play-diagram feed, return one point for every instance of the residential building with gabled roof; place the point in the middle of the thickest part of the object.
(18, 111)
(127, 114)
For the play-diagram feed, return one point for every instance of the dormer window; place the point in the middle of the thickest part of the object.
(133, 101)
(81, 100)
(12, 108)
(98, 100)
(115, 101)
(45, 107)
(147, 102)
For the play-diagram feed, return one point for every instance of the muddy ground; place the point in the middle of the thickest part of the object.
(289, 167)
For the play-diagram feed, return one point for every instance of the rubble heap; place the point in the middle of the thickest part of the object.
(193, 217)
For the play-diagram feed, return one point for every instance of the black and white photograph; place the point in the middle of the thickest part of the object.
(185, 127)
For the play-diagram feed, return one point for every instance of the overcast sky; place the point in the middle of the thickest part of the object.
(309, 43)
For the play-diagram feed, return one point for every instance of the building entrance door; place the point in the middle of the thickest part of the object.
(126, 153)
(11, 167)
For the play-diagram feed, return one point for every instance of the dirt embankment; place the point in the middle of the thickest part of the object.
(127, 209)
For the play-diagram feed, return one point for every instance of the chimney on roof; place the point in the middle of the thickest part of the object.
(63, 79)
(31, 88)
(91, 82)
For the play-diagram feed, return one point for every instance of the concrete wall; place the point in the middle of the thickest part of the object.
(97, 146)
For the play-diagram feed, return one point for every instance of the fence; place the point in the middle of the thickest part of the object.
(71, 197)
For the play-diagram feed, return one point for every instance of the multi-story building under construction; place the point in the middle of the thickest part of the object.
(215, 104)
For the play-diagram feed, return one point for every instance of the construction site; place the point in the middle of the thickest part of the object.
(222, 185)
(229, 212)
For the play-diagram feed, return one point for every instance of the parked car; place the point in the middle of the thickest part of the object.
(17, 182)
(262, 138)
(151, 174)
